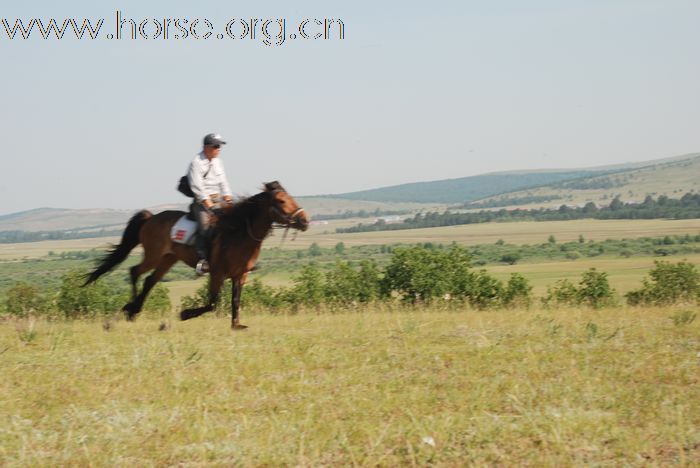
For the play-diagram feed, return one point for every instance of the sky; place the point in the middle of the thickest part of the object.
(413, 92)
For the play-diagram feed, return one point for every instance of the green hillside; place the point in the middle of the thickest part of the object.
(486, 186)
(672, 178)
(464, 189)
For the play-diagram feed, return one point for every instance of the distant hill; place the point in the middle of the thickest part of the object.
(481, 187)
(96, 219)
(49, 219)
(632, 181)
(672, 177)
(464, 189)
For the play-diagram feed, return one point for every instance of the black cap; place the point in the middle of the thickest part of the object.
(213, 139)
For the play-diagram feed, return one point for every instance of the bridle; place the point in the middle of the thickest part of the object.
(280, 219)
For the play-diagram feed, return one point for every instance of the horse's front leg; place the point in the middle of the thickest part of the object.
(236, 303)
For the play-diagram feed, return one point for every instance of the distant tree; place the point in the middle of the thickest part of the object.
(510, 258)
(340, 248)
(616, 204)
(315, 250)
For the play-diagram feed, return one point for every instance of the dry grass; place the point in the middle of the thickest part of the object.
(383, 387)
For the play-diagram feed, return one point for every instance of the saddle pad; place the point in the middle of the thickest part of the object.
(183, 231)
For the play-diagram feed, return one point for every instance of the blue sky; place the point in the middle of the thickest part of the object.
(414, 92)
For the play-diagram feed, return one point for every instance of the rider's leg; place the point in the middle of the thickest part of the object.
(202, 239)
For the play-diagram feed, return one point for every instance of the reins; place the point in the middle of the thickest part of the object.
(286, 225)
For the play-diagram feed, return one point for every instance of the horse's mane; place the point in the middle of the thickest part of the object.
(237, 218)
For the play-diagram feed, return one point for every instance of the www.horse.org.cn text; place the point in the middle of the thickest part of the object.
(267, 31)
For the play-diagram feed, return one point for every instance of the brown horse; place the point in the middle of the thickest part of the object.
(235, 245)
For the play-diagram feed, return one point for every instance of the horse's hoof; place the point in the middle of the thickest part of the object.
(130, 311)
(238, 326)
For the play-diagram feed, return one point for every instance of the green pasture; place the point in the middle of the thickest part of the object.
(377, 386)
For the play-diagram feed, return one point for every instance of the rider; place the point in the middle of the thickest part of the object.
(208, 183)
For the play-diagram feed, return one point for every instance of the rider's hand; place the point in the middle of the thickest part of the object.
(208, 204)
(228, 199)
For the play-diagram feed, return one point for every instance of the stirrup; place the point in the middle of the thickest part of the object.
(202, 267)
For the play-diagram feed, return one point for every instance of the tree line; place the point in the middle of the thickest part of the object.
(686, 207)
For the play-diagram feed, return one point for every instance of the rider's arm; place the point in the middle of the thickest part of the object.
(223, 183)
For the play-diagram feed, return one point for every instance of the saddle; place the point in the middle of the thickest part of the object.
(184, 231)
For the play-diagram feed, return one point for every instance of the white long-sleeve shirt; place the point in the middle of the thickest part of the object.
(207, 178)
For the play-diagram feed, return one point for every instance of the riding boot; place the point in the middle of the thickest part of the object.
(201, 246)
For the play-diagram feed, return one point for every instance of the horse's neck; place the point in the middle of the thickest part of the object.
(260, 227)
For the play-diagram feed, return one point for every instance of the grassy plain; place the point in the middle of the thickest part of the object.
(471, 234)
(624, 274)
(380, 387)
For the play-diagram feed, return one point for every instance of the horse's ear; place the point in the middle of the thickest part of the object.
(272, 186)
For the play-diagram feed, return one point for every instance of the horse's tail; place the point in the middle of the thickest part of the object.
(118, 253)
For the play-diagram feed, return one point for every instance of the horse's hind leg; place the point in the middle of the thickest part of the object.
(166, 263)
(148, 263)
(215, 282)
(134, 273)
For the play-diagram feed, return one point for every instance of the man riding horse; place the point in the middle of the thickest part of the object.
(235, 240)
(210, 187)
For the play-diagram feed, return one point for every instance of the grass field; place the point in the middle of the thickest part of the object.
(471, 234)
(624, 274)
(553, 388)
(512, 233)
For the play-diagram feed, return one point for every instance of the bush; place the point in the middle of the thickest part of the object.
(510, 258)
(484, 290)
(518, 291)
(307, 289)
(256, 294)
(563, 292)
(416, 273)
(573, 255)
(668, 284)
(158, 300)
(24, 299)
(594, 289)
(75, 301)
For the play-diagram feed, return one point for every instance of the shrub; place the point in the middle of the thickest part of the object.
(594, 289)
(256, 294)
(24, 299)
(563, 292)
(668, 283)
(342, 285)
(158, 300)
(307, 289)
(315, 250)
(485, 291)
(75, 301)
(518, 291)
(510, 258)
(573, 255)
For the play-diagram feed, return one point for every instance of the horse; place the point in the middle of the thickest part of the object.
(235, 245)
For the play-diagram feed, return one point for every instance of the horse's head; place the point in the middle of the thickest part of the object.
(284, 209)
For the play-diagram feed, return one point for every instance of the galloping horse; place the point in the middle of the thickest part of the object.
(235, 245)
